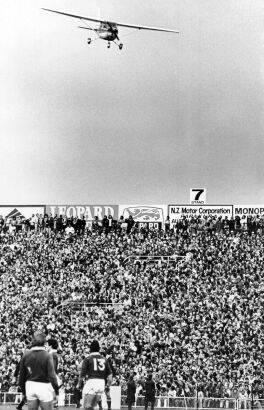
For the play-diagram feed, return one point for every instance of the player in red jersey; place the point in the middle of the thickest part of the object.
(96, 367)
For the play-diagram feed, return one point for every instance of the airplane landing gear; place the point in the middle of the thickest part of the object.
(89, 40)
(108, 45)
(120, 46)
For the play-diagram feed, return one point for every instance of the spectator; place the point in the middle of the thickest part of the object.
(167, 224)
(130, 223)
(195, 321)
(105, 224)
(131, 392)
(150, 390)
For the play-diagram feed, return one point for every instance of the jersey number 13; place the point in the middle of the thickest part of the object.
(99, 364)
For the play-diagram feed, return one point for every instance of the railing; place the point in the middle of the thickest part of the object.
(153, 259)
(15, 398)
(186, 403)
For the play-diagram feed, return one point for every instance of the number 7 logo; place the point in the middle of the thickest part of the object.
(199, 193)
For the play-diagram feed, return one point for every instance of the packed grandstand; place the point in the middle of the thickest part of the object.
(194, 320)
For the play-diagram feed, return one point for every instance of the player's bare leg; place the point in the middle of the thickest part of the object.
(98, 400)
(45, 405)
(21, 404)
(33, 404)
(90, 401)
(108, 397)
(100, 404)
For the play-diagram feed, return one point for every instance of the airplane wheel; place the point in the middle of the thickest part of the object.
(89, 40)
(120, 46)
(108, 45)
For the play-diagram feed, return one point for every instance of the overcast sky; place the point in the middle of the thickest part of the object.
(85, 124)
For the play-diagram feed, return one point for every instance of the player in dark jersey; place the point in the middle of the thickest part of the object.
(16, 374)
(37, 378)
(96, 367)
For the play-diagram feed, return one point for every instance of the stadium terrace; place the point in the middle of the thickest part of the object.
(194, 325)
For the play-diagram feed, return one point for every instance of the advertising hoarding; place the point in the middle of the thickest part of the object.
(178, 211)
(21, 211)
(197, 196)
(249, 210)
(152, 216)
(88, 211)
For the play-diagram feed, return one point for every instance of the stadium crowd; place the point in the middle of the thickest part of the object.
(195, 321)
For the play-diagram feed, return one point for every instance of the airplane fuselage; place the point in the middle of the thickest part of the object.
(107, 31)
(106, 35)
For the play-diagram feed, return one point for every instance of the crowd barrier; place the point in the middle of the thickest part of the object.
(15, 398)
(153, 259)
(186, 403)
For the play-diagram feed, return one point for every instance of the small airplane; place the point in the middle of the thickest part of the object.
(108, 30)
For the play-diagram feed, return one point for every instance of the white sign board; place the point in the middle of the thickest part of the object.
(21, 211)
(152, 215)
(176, 212)
(197, 196)
(249, 210)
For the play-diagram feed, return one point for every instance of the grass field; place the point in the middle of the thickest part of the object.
(13, 407)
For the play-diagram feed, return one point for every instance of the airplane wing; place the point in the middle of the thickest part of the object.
(112, 22)
(75, 16)
(146, 27)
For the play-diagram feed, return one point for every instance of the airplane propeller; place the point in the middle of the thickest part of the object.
(113, 31)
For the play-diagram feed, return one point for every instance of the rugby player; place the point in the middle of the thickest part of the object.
(107, 388)
(37, 377)
(16, 375)
(96, 367)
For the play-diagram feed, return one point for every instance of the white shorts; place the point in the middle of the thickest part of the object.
(94, 386)
(39, 391)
